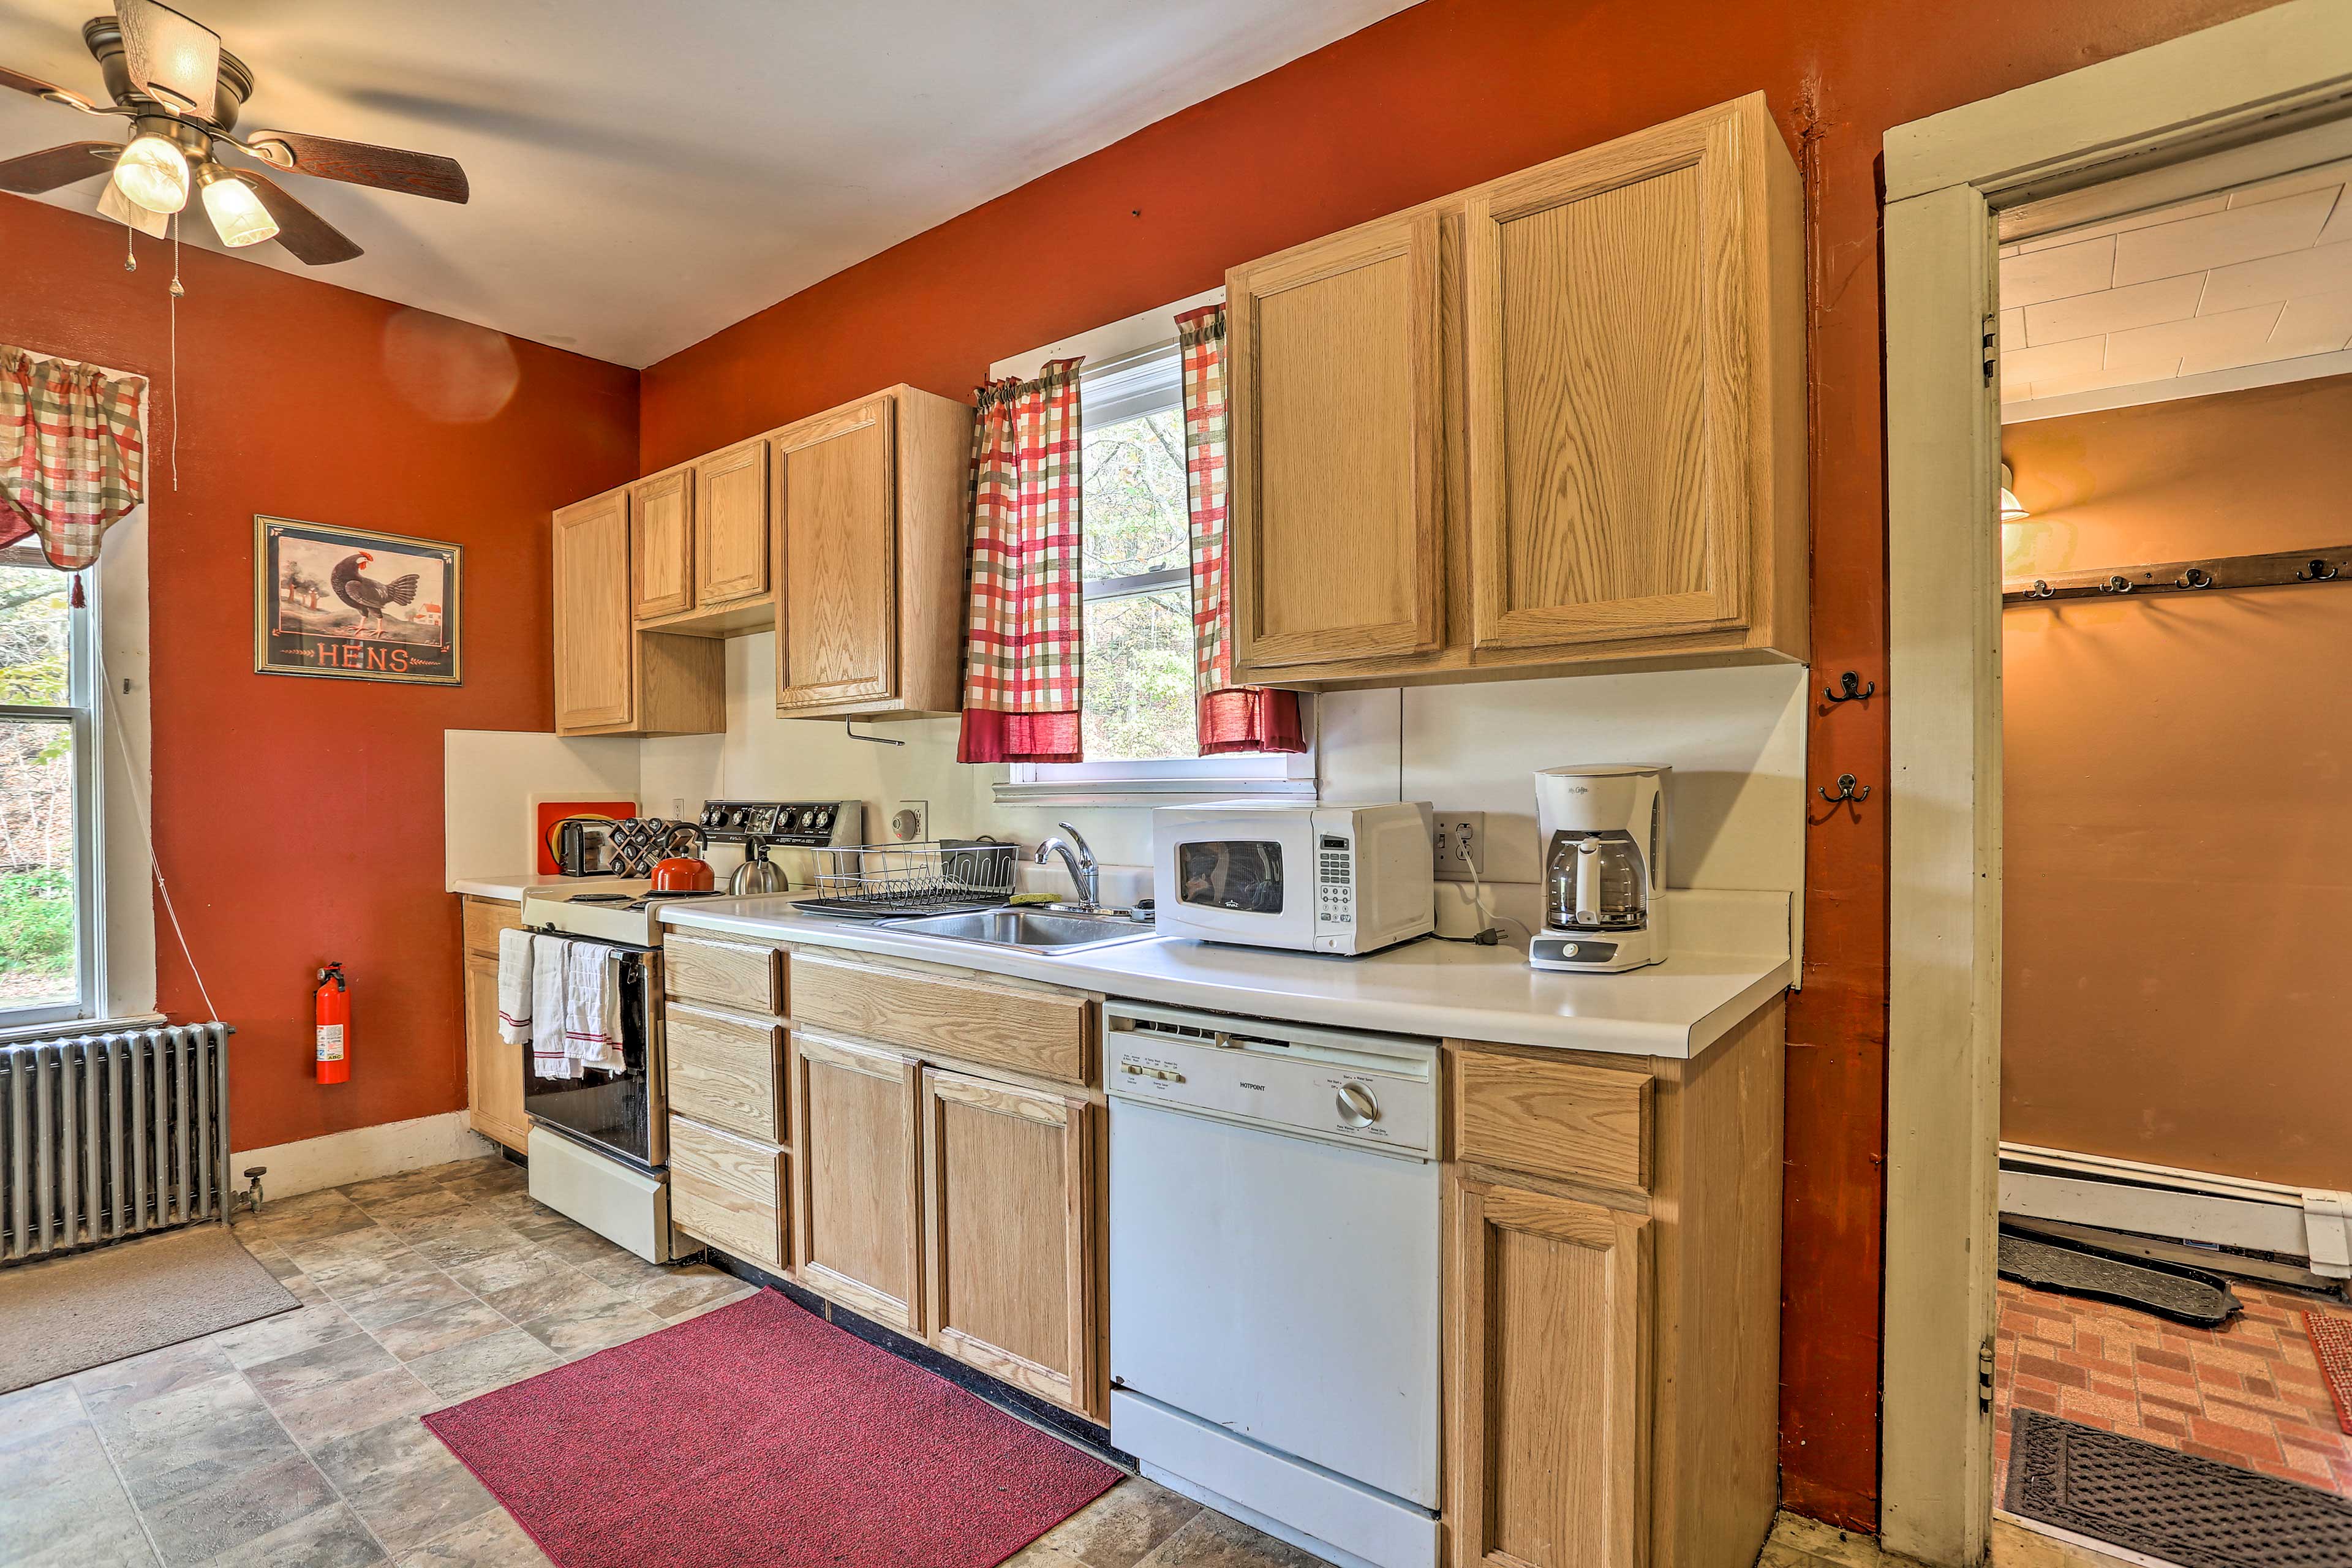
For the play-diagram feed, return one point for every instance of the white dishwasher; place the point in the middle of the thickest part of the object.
(1274, 1262)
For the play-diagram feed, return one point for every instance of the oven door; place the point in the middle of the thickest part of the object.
(1231, 876)
(623, 1114)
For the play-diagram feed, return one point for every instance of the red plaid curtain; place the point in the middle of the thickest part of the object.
(1023, 649)
(71, 460)
(1232, 718)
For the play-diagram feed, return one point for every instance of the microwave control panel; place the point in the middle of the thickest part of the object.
(1335, 887)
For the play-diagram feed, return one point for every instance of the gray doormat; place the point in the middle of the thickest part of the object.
(2170, 1290)
(64, 1315)
(2178, 1506)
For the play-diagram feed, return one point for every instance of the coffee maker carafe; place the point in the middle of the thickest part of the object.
(1604, 832)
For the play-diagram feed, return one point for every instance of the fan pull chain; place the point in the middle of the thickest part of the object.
(177, 290)
(129, 249)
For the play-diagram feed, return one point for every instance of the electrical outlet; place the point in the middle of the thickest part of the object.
(912, 822)
(1451, 831)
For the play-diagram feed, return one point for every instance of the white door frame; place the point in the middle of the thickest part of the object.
(1945, 177)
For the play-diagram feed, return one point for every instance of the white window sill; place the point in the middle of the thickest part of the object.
(78, 1026)
(1141, 793)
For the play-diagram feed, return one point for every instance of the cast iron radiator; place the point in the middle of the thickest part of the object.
(107, 1136)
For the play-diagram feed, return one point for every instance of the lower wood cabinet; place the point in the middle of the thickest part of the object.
(729, 1190)
(857, 1205)
(493, 1068)
(1010, 1217)
(1551, 1342)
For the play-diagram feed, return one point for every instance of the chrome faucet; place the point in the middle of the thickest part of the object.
(1085, 874)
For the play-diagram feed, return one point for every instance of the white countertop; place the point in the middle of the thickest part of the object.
(512, 887)
(1676, 1008)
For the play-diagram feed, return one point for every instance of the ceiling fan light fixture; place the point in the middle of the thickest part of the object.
(237, 215)
(152, 173)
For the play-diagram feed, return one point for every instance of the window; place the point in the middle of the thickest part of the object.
(48, 956)
(1138, 705)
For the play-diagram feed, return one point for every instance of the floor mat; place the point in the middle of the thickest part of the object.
(65, 1314)
(2184, 1294)
(2331, 1341)
(2178, 1506)
(760, 1435)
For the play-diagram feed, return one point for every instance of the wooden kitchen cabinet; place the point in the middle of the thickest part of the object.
(610, 677)
(731, 526)
(858, 1203)
(1611, 1303)
(661, 543)
(870, 536)
(493, 1068)
(1009, 1221)
(1575, 431)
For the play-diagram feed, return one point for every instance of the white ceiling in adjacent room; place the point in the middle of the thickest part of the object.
(643, 175)
(2238, 287)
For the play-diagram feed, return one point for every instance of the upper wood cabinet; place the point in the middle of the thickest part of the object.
(610, 679)
(662, 543)
(731, 526)
(1553, 423)
(1340, 440)
(870, 533)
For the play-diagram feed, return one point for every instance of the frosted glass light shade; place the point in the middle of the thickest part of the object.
(237, 215)
(2012, 509)
(152, 173)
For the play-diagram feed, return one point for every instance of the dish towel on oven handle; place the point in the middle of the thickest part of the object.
(514, 985)
(550, 973)
(592, 1007)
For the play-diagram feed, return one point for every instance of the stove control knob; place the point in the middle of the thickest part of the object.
(1357, 1106)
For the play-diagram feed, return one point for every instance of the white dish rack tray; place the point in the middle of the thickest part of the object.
(931, 877)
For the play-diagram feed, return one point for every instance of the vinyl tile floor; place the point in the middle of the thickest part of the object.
(2248, 1393)
(294, 1442)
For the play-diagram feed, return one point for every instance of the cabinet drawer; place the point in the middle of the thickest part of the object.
(729, 1190)
(726, 1070)
(485, 918)
(1048, 1033)
(1552, 1118)
(746, 975)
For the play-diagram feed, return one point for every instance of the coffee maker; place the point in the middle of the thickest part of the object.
(1603, 831)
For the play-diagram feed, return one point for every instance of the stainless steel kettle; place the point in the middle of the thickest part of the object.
(757, 874)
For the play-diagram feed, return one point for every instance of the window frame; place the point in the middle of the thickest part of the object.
(81, 713)
(1126, 383)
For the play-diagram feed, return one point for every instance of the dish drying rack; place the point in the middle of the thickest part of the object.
(934, 877)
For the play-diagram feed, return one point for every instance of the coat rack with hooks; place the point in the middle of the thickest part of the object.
(2282, 568)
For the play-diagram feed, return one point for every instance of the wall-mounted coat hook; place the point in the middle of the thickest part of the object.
(1851, 688)
(849, 728)
(1846, 789)
(2195, 577)
(2118, 584)
(2041, 590)
(2318, 572)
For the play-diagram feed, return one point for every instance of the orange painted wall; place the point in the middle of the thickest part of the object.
(300, 820)
(1438, 97)
(2178, 878)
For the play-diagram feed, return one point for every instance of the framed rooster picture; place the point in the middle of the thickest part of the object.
(350, 602)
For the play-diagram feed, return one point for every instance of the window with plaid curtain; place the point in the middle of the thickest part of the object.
(1232, 718)
(71, 460)
(1025, 645)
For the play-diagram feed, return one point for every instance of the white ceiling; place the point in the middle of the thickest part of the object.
(645, 175)
(2240, 286)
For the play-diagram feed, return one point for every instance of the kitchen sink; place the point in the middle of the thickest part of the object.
(1032, 931)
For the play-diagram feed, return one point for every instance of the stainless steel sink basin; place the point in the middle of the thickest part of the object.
(1033, 931)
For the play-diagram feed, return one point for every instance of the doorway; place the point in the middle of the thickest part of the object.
(2220, 94)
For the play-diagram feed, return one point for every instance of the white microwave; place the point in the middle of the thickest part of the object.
(1319, 879)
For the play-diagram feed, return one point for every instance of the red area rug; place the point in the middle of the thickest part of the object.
(2331, 1341)
(760, 1435)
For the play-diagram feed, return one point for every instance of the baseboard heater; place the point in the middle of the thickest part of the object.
(2192, 1205)
(104, 1137)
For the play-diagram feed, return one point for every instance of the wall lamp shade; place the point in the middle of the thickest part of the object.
(237, 215)
(2012, 509)
(152, 173)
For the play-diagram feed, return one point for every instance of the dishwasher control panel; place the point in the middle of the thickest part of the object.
(1379, 1091)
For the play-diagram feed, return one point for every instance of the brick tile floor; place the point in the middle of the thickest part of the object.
(2248, 1393)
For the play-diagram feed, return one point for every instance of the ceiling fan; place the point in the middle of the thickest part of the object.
(169, 76)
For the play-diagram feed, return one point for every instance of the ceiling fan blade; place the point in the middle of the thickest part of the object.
(358, 164)
(57, 167)
(39, 89)
(173, 59)
(311, 238)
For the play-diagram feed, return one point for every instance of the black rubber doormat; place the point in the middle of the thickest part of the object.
(2178, 1506)
(2169, 1289)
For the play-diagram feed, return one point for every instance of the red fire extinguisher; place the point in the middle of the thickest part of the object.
(334, 1025)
